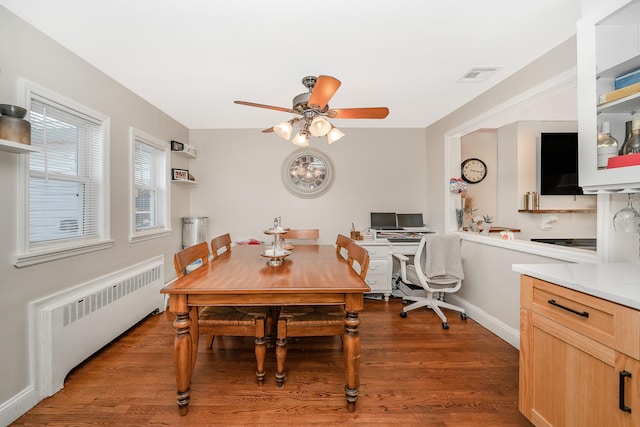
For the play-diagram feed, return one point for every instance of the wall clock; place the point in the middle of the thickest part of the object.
(307, 173)
(473, 170)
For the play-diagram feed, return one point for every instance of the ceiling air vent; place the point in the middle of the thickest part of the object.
(478, 74)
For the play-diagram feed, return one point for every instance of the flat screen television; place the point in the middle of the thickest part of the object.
(558, 171)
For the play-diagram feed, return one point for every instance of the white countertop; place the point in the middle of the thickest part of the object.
(616, 282)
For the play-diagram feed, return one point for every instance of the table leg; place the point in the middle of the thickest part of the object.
(182, 359)
(352, 358)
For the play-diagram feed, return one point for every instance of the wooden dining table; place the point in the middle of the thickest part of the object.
(311, 274)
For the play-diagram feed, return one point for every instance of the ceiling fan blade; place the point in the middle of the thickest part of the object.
(324, 89)
(267, 130)
(268, 107)
(359, 113)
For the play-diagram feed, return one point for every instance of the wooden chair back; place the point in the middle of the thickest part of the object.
(360, 255)
(188, 255)
(311, 234)
(220, 242)
(342, 245)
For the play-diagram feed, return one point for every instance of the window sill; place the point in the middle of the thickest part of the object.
(141, 237)
(33, 258)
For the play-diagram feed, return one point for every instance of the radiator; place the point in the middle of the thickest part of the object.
(69, 326)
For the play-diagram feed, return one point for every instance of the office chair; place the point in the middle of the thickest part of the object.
(231, 321)
(315, 320)
(436, 268)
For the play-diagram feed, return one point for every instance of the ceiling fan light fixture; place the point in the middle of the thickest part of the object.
(301, 139)
(284, 129)
(334, 135)
(319, 126)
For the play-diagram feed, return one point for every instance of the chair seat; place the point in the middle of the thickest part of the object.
(231, 315)
(313, 315)
(439, 282)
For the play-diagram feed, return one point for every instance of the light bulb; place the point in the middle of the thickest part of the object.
(334, 135)
(319, 126)
(301, 139)
(283, 130)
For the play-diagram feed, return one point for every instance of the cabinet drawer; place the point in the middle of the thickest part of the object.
(378, 282)
(378, 266)
(603, 321)
(377, 251)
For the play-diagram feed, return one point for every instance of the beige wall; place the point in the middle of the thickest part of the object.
(241, 191)
(24, 52)
(491, 290)
(483, 145)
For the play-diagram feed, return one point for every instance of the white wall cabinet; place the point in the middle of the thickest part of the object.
(608, 46)
(381, 263)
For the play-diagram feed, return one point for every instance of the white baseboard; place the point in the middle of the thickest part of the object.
(498, 327)
(19, 404)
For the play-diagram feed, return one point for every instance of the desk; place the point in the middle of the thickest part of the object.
(312, 274)
(381, 262)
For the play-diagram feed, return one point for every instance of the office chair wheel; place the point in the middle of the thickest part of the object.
(445, 325)
(463, 316)
(403, 314)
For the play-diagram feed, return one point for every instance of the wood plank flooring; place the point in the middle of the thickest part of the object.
(412, 373)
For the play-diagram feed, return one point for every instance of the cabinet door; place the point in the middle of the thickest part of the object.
(572, 379)
(628, 372)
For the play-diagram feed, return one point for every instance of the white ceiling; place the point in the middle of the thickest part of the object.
(193, 58)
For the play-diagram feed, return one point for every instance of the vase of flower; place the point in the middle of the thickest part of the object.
(459, 218)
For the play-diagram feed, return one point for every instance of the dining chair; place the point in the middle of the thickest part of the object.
(217, 243)
(342, 245)
(187, 256)
(315, 320)
(231, 321)
(306, 235)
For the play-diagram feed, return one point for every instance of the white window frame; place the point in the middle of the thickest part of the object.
(29, 254)
(163, 189)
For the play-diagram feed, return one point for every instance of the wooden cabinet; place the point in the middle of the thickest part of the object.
(579, 358)
(608, 46)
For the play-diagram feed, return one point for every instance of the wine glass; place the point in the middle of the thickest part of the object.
(627, 219)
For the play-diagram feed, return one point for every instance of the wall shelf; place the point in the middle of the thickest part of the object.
(185, 154)
(16, 147)
(184, 181)
(550, 211)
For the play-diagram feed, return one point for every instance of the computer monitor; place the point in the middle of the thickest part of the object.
(410, 220)
(383, 220)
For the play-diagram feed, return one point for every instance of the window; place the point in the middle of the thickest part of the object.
(66, 194)
(150, 189)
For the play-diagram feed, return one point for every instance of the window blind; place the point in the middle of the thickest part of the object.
(65, 178)
(148, 173)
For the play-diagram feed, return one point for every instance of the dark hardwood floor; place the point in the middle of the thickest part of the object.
(412, 373)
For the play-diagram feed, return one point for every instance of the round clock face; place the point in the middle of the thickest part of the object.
(473, 170)
(307, 173)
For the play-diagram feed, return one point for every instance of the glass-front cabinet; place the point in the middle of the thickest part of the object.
(608, 91)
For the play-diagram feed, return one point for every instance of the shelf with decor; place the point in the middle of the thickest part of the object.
(184, 181)
(546, 211)
(16, 147)
(186, 150)
(608, 65)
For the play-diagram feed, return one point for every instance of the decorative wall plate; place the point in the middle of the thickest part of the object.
(307, 173)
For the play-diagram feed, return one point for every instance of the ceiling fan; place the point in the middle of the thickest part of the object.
(314, 108)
